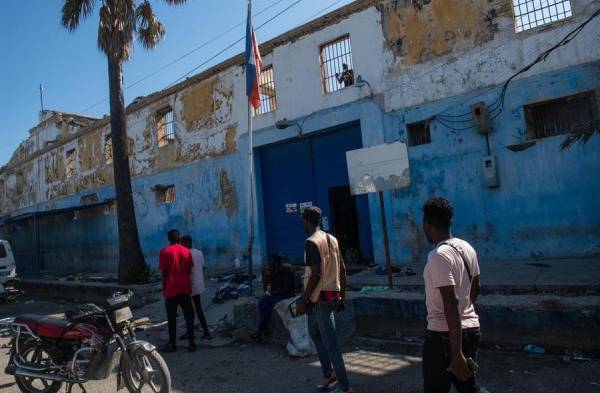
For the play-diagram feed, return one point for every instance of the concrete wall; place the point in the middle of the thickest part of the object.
(419, 58)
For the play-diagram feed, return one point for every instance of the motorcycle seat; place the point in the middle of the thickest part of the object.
(44, 326)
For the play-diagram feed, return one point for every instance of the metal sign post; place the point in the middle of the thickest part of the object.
(377, 169)
(386, 241)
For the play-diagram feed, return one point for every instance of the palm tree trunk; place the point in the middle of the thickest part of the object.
(132, 267)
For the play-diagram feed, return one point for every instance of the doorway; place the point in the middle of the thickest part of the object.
(313, 171)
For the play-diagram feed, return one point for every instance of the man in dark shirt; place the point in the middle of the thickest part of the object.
(347, 76)
(283, 286)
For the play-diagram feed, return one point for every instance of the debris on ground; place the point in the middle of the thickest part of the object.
(530, 348)
(373, 289)
(575, 357)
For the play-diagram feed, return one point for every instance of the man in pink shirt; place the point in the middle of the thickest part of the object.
(451, 288)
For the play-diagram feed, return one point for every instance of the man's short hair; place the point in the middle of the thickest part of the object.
(186, 239)
(173, 236)
(438, 212)
(312, 214)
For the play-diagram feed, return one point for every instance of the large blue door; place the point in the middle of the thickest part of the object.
(312, 171)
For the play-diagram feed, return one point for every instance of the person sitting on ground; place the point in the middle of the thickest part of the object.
(283, 286)
(197, 284)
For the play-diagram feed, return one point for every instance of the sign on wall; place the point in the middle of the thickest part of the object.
(378, 168)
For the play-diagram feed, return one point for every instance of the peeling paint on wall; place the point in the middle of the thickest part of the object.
(228, 194)
(206, 105)
(416, 31)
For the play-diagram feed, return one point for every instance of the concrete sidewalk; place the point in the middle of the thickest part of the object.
(567, 277)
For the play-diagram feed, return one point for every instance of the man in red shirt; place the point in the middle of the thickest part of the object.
(176, 264)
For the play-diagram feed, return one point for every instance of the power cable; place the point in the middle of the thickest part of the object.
(232, 44)
(498, 104)
(204, 44)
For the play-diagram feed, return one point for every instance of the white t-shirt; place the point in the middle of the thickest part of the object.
(445, 267)
(197, 271)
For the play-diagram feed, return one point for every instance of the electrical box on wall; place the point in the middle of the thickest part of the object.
(481, 118)
(490, 171)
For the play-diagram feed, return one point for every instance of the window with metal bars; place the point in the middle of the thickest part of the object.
(165, 194)
(268, 100)
(535, 13)
(562, 115)
(108, 153)
(71, 163)
(337, 70)
(418, 133)
(165, 126)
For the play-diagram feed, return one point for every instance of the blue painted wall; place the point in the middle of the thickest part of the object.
(546, 205)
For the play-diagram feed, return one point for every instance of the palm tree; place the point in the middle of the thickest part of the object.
(120, 21)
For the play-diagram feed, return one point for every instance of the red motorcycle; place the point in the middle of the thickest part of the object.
(90, 344)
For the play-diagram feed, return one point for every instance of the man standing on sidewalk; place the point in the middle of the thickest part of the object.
(324, 293)
(451, 288)
(175, 263)
(197, 284)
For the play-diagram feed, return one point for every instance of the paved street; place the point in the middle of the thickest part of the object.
(266, 368)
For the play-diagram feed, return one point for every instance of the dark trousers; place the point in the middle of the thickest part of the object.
(171, 304)
(265, 308)
(200, 314)
(436, 359)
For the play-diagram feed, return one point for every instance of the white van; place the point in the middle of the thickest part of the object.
(7, 263)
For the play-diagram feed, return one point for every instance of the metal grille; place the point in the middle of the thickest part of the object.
(418, 133)
(166, 130)
(165, 194)
(561, 116)
(534, 13)
(337, 70)
(268, 101)
(108, 153)
(71, 163)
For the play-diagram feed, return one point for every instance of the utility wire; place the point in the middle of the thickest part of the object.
(232, 44)
(204, 44)
(498, 104)
(322, 11)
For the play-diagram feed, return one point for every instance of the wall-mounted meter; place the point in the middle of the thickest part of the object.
(490, 171)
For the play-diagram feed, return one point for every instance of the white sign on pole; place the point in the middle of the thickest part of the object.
(378, 168)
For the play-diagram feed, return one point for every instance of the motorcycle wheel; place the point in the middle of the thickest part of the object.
(146, 372)
(34, 352)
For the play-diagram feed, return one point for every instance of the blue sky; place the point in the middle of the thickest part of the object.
(35, 49)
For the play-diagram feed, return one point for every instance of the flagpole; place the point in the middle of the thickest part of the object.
(250, 198)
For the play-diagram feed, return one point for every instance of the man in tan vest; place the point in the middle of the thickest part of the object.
(324, 293)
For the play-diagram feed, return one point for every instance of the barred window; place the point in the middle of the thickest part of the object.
(108, 152)
(164, 124)
(71, 163)
(418, 133)
(534, 13)
(165, 194)
(562, 115)
(337, 70)
(268, 100)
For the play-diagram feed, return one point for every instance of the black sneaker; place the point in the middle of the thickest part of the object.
(192, 347)
(207, 336)
(168, 348)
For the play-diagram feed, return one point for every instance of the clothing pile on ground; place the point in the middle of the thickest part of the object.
(235, 285)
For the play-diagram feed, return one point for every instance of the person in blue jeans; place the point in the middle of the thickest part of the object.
(283, 286)
(324, 294)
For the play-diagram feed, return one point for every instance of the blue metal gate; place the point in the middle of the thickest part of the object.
(303, 172)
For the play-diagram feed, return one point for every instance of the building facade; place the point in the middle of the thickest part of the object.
(429, 73)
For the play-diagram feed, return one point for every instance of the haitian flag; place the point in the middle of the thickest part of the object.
(253, 62)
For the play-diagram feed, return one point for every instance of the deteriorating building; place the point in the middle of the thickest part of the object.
(427, 72)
